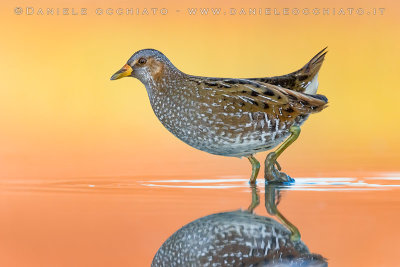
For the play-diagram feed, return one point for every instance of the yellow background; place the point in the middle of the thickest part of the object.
(61, 116)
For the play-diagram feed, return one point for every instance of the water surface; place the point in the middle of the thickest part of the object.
(112, 221)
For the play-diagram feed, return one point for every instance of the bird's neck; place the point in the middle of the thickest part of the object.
(166, 83)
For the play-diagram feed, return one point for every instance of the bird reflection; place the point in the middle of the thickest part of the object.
(239, 238)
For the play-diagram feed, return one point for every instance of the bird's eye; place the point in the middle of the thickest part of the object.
(142, 60)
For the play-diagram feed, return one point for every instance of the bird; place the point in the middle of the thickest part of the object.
(234, 117)
(239, 238)
(235, 238)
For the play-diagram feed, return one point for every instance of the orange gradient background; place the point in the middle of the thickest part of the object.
(62, 117)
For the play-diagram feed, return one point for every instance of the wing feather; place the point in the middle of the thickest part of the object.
(261, 97)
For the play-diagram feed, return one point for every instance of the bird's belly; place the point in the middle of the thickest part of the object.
(226, 134)
(236, 145)
(243, 145)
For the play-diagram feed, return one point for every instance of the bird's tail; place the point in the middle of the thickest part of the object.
(304, 80)
(307, 76)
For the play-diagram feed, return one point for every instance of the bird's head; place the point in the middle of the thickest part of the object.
(146, 65)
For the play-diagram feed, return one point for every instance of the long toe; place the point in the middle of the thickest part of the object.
(286, 178)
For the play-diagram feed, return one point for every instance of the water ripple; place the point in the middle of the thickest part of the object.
(130, 185)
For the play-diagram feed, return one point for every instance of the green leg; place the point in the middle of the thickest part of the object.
(271, 206)
(255, 168)
(272, 174)
(255, 200)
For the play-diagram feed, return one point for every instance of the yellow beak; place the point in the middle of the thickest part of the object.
(125, 71)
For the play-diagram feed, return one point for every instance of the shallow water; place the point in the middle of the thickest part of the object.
(350, 221)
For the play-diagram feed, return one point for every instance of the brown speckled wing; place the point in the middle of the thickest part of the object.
(259, 97)
(299, 79)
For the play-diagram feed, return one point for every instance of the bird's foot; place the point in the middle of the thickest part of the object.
(272, 171)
